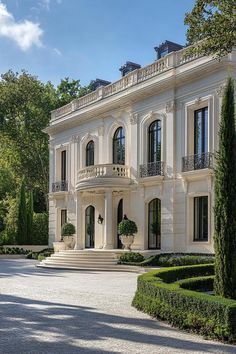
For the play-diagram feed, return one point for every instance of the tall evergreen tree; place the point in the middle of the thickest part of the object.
(225, 199)
(21, 236)
(30, 211)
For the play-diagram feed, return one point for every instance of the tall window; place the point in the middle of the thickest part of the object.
(63, 165)
(119, 147)
(89, 226)
(63, 217)
(90, 153)
(154, 141)
(154, 224)
(201, 218)
(201, 131)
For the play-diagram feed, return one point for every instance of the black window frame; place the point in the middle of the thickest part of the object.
(119, 146)
(154, 138)
(89, 160)
(154, 206)
(63, 216)
(63, 165)
(199, 229)
(204, 131)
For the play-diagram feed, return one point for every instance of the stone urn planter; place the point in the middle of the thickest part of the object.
(69, 242)
(127, 228)
(59, 246)
(127, 241)
(67, 233)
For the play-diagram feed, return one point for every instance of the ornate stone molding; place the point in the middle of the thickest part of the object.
(75, 139)
(197, 101)
(170, 106)
(87, 136)
(220, 90)
(134, 118)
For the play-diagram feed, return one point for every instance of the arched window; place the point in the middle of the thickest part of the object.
(154, 142)
(90, 153)
(119, 147)
(154, 224)
(89, 226)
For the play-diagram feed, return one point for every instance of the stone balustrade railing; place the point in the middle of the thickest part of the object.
(103, 171)
(170, 61)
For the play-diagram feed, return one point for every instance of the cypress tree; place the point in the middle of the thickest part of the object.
(225, 199)
(21, 236)
(30, 211)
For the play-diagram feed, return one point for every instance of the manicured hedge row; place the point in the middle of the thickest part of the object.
(198, 284)
(160, 295)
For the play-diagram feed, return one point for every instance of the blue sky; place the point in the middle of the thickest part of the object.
(85, 39)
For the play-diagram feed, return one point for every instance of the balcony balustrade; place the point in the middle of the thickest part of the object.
(103, 171)
(60, 186)
(151, 169)
(197, 162)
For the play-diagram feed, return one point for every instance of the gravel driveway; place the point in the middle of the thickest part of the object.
(59, 311)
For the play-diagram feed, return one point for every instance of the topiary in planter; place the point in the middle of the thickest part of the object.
(127, 228)
(67, 229)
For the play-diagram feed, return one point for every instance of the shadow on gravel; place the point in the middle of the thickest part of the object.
(30, 326)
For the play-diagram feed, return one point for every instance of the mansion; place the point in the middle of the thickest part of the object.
(142, 146)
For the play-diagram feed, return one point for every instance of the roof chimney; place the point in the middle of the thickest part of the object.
(98, 83)
(128, 67)
(166, 48)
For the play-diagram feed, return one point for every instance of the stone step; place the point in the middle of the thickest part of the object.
(79, 261)
(117, 268)
(89, 256)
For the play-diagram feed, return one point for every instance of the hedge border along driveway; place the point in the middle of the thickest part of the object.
(159, 294)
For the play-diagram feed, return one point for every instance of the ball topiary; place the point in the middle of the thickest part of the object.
(67, 229)
(127, 227)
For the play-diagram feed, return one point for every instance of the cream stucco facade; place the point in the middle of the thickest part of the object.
(170, 91)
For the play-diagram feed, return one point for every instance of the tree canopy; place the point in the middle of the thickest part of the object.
(212, 27)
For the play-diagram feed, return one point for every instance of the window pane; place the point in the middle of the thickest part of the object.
(201, 218)
(201, 131)
(90, 154)
(63, 217)
(63, 165)
(154, 154)
(119, 147)
(154, 224)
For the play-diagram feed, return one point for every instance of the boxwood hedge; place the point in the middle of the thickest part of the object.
(160, 293)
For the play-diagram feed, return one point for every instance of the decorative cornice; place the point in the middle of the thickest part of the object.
(197, 101)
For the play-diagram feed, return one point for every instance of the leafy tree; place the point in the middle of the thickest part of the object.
(22, 222)
(213, 23)
(68, 90)
(225, 200)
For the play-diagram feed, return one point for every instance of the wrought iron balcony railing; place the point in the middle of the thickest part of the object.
(61, 186)
(197, 162)
(151, 169)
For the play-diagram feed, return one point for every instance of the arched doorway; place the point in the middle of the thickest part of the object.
(154, 224)
(119, 219)
(89, 226)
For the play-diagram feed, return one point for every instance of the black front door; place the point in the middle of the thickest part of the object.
(119, 219)
(89, 227)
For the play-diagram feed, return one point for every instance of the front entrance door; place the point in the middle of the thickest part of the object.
(89, 227)
(119, 219)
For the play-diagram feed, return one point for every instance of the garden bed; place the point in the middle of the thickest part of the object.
(166, 294)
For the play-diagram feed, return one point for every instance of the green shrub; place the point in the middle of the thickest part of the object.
(160, 295)
(41, 254)
(131, 257)
(202, 284)
(127, 227)
(68, 229)
(172, 260)
(41, 257)
(40, 229)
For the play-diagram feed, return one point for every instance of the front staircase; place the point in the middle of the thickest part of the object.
(86, 260)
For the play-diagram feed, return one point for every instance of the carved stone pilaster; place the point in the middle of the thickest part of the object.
(220, 90)
(101, 131)
(170, 106)
(134, 118)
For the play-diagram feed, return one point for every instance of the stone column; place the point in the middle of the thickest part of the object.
(79, 237)
(108, 242)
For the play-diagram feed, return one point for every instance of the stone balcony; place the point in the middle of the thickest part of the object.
(103, 175)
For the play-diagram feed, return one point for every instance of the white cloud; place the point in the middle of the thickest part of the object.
(57, 51)
(25, 33)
